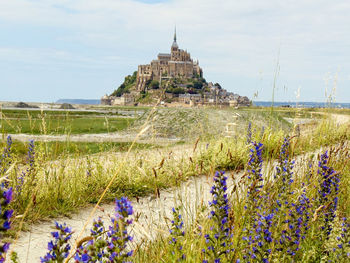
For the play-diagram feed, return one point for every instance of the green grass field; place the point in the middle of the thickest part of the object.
(62, 122)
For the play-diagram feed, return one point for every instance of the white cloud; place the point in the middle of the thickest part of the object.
(234, 37)
(45, 57)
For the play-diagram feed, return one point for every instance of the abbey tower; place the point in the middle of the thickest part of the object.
(177, 64)
(181, 80)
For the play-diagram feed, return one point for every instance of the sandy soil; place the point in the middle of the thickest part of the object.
(151, 214)
(338, 118)
(152, 217)
(98, 137)
(341, 118)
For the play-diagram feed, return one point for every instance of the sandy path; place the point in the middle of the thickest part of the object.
(97, 137)
(341, 118)
(338, 118)
(152, 214)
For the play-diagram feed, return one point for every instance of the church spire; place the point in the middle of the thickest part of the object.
(174, 46)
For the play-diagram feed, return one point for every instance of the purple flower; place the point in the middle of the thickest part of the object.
(254, 172)
(327, 192)
(29, 170)
(123, 208)
(5, 216)
(219, 245)
(176, 235)
(259, 217)
(31, 153)
(298, 224)
(59, 247)
(109, 245)
(343, 240)
(8, 194)
(84, 258)
(284, 174)
(5, 161)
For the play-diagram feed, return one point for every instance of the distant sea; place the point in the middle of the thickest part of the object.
(301, 104)
(78, 101)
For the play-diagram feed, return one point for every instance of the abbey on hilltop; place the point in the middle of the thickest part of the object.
(177, 79)
(177, 64)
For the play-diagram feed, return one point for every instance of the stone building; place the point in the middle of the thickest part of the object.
(176, 64)
(125, 99)
(190, 98)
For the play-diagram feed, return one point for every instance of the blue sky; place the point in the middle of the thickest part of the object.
(52, 49)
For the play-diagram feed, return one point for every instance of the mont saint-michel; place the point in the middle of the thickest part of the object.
(177, 78)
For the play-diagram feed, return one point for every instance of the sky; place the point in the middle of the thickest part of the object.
(292, 50)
